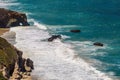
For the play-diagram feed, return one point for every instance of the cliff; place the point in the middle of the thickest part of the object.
(9, 18)
(12, 65)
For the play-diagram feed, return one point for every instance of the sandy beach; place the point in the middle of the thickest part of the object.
(3, 30)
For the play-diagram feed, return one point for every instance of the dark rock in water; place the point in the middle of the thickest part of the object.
(54, 37)
(29, 63)
(19, 53)
(10, 18)
(75, 31)
(98, 44)
(20, 61)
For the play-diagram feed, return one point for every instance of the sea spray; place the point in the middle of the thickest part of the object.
(97, 19)
(53, 60)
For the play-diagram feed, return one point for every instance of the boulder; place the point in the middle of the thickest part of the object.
(53, 37)
(75, 31)
(98, 44)
(17, 76)
(21, 62)
(29, 65)
(10, 18)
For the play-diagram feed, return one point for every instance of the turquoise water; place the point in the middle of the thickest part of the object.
(98, 20)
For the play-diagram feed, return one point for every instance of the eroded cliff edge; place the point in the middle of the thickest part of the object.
(9, 18)
(12, 65)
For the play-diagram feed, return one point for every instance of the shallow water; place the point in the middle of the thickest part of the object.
(53, 60)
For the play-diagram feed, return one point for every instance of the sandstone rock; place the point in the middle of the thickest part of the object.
(10, 18)
(7, 58)
(54, 37)
(29, 65)
(98, 44)
(75, 31)
(17, 76)
(5, 73)
(12, 64)
(28, 74)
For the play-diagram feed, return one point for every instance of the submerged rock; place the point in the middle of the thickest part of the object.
(53, 37)
(98, 44)
(10, 18)
(75, 31)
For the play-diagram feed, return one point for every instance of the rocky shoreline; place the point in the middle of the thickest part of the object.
(9, 18)
(12, 65)
(23, 68)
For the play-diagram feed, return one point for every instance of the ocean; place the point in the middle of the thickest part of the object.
(74, 57)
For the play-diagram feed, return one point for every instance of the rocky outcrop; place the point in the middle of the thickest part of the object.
(12, 65)
(28, 65)
(98, 44)
(8, 57)
(75, 31)
(53, 37)
(10, 18)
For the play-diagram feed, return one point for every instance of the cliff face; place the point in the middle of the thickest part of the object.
(11, 62)
(8, 57)
(10, 18)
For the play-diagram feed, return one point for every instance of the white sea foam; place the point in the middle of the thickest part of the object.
(65, 28)
(87, 47)
(65, 37)
(37, 24)
(7, 3)
(53, 60)
(40, 25)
